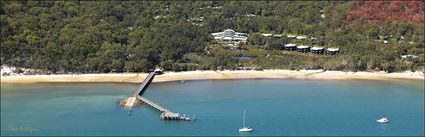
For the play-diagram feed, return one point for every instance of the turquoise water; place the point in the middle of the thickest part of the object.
(283, 107)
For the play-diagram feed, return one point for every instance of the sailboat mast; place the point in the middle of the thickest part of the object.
(243, 124)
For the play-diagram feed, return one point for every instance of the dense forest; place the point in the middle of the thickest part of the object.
(137, 36)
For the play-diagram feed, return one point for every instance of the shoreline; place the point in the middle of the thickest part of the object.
(212, 75)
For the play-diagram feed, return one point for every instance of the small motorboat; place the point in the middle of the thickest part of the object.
(383, 120)
(185, 118)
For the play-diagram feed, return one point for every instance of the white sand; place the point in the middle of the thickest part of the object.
(204, 75)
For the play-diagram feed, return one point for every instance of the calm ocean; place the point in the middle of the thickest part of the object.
(278, 107)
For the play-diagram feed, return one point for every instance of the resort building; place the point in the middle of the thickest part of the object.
(408, 56)
(296, 37)
(266, 34)
(385, 41)
(332, 51)
(322, 14)
(317, 50)
(229, 35)
(250, 15)
(290, 46)
(301, 37)
(302, 48)
(291, 36)
(274, 35)
(216, 8)
(159, 17)
(277, 35)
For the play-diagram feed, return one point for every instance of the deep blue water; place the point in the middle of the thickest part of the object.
(282, 107)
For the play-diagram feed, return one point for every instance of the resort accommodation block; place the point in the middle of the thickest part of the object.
(408, 56)
(290, 46)
(317, 50)
(274, 35)
(266, 34)
(332, 51)
(301, 37)
(291, 36)
(314, 50)
(302, 48)
(277, 35)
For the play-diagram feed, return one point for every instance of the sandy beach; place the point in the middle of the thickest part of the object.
(213, 75)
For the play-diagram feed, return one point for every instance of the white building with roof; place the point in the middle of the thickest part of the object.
(407, 56)
(332, 51)
(317, 50)
(290, 46)
(250, 15)
(385, 41)
(303, 48)
(277, 35)
(230, 35)
(301, 37)
(291, 36)
(267, 34)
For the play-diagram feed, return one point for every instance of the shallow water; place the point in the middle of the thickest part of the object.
(282, 107)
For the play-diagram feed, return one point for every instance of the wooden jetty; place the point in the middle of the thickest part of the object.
(137, 98)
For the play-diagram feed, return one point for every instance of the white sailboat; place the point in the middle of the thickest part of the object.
(245, 129)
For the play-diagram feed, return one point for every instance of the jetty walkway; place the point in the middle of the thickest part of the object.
(137, 96)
